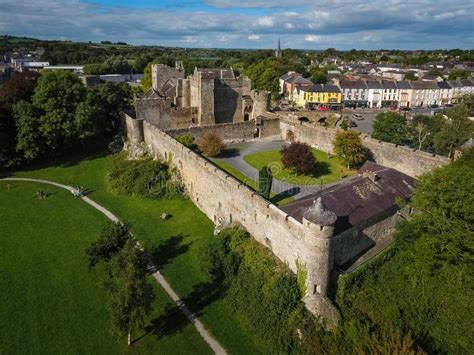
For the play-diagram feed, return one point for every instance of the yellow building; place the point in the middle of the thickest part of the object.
(319, 95)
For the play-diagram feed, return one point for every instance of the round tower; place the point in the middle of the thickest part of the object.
(261, 103)
(319, 229)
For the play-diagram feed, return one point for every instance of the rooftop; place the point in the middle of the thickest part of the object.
(372, 192)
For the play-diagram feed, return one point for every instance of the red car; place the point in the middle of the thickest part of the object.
(324, 108)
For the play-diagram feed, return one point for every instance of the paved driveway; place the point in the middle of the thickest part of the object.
(281, 188)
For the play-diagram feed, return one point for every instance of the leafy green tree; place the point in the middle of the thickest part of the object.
(411, 76)
(423, 130)
(146, 80)
(19, 87)
(54, 106)
(111, 241)
(456, 130)
(349, 147)
(131, 294)
(318, 76)
(265, 179)
(459, 74)
(390, 127)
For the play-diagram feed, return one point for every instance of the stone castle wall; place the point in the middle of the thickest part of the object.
(161, 73)
(409, 161)
(234, 131)
(164, 115)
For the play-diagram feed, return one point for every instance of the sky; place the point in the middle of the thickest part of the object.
(301, 24)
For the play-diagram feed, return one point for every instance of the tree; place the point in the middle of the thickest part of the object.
(318, 76)
(424, 128)
(146, 80)
(131, 294)
(459, 74)
(349, 147)
(104, 105)
(265, 179)
(298, 156)
(456, 130)
(55, 120)
(210, 144)
(411, 76)
(111, 241)
(390, 127)
(19, 87)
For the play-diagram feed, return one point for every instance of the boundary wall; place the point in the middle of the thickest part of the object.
(409, 161)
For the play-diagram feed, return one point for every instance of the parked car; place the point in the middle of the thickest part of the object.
(324, 108)
(358, 116)
(393, 108)
(434, 106)
(352, 124)
(405, 109)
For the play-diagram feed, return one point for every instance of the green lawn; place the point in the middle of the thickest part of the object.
(49, 301)
(249, 182)
(328, 169)
(176, 243)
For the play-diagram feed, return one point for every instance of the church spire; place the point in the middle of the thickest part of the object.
(278, 52)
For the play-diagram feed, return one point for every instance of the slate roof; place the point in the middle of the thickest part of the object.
(389, 85)
(353, 84)
(444, 85)
(289, 75)
(299, 80)
(424, 85)
(359, 199)
(321, 88)
(455, 83)
(374, 84)
(466, 82)
(403, 85)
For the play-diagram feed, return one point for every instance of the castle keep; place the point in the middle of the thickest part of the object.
(207, 97)
(316, 236)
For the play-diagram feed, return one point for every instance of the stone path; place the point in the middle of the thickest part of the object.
(278, 187)
(215, 346)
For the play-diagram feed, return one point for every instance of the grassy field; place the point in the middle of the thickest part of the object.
(176, 244)
(249, 182)
(50, 302)
(328, 169)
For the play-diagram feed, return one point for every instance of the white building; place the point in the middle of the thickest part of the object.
(374, 94)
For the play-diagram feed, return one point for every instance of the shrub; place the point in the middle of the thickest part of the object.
(298, 156)
(349, 147)
(186, 140)
(259, 288)
(210, 144)
(144, 177)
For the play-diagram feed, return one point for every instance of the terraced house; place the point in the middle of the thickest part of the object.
(355, 93)
(315, 96)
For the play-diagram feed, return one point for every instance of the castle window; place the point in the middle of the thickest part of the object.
(246, 117)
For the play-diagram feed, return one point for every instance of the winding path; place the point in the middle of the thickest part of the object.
(215, 346)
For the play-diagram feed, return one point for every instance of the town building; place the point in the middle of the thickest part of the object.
(445, 93)
(355, 93)
(315, 96)
(405, 92)
(375, 93)
(290, 81)
(389, 94)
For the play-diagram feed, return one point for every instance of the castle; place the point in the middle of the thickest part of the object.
(316, 236)
(207, 97)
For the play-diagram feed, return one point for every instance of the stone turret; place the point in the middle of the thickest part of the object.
(261, 103)
(319, 230)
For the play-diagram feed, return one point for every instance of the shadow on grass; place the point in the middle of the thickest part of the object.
(173, 320)
(67, 160)
(285, 194)
(322, 168)
(165, 253)
(229, 153)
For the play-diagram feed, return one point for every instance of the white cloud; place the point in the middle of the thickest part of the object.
(253, 37)
(188, 39)
(312, 38)
(266, 21)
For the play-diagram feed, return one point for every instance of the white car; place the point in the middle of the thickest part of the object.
(358, 116)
